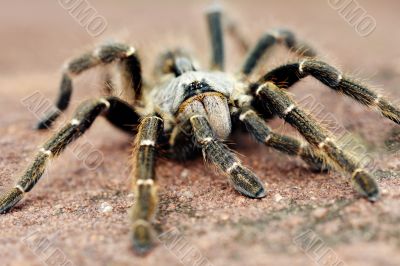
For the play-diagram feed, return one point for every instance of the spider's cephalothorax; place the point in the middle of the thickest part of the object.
(188, 109)
(197, 92)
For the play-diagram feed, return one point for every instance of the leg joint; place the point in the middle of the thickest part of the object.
(243, 115)
(323, 143)
(260, 88)
(205, 141)
(233, 167)
(20, 188)
(147, 142)
(46, 152)
(75, 122)
(289, 109)
(145, 182)
(105, 102)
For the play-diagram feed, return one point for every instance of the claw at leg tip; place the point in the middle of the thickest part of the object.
(142, 250)
(261, 194)
(41, 126)
(143, 238)
(9, 199)
(374, 197)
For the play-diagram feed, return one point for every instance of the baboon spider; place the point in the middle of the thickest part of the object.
(189, 110)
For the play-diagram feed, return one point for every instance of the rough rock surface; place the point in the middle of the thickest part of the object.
(79, 215)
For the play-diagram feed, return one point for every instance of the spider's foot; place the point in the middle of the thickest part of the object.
(42, 125)
(9, 199)
(366, 185)
(47, 121)
(143, 237)
(247, 183)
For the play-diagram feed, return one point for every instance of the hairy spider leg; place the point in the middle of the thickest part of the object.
(122, 115)
(289, 74)
(175, 61)
(242, 179)
(104, 54)
(284, 106)
(258, 128)
(214, 20)
(83, 119)
(146, 200)
(268, 40)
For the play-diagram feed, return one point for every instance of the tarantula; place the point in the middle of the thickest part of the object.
(189, 110)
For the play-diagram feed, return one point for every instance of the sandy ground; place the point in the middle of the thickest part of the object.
(67, 219)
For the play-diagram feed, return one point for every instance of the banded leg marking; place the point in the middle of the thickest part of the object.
(174, 61)
(288, 75)
(84, 117)
(268, 40)
(277, 99)
(288, 145)
(146, 200)
(102, 55)
(242, 179)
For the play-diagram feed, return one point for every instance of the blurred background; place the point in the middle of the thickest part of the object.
(37, 37)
